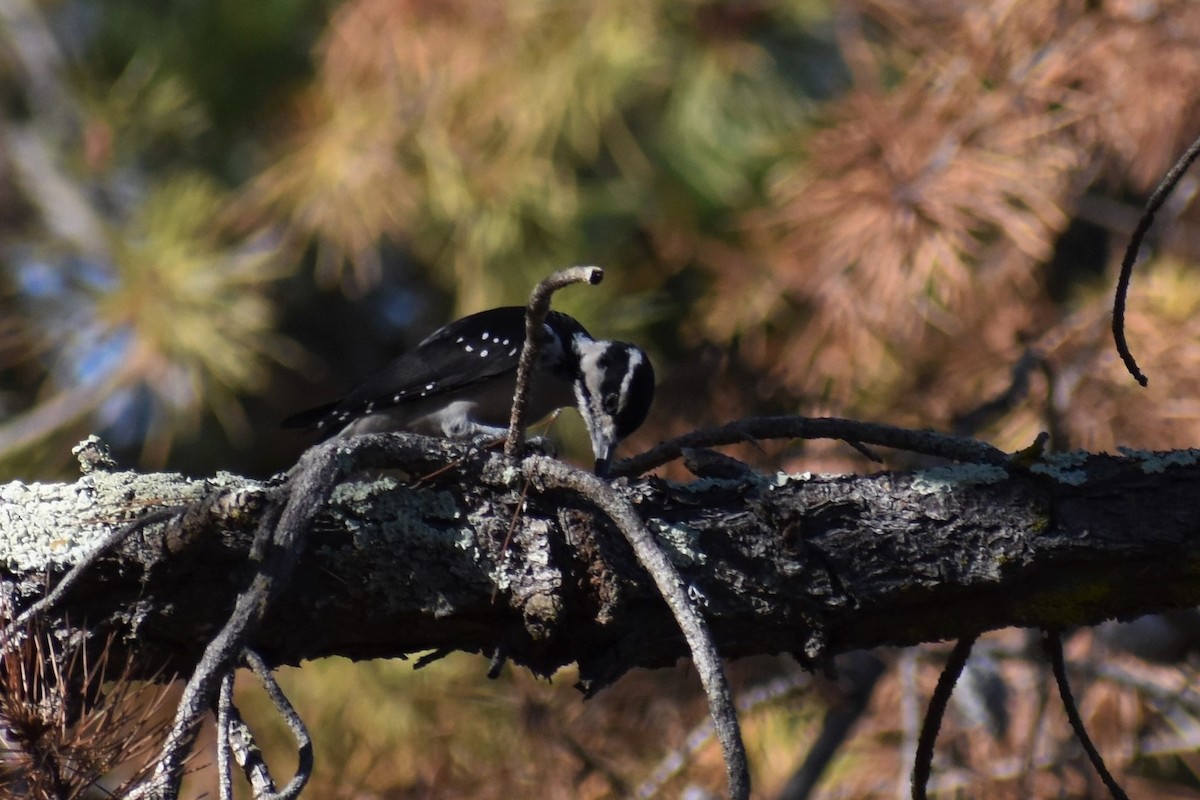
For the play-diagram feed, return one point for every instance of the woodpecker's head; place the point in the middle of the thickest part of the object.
(614, 387)
(458, 382)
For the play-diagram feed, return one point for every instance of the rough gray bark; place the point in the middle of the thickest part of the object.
(456, 552)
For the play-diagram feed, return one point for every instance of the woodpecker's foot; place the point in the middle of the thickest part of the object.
(543, 445)
(487, 440)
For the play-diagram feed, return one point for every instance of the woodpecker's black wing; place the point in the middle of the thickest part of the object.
(464, 352)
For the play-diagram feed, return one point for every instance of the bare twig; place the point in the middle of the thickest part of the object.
(224, 740)
(910, 720)
(923, 761)
(277, 547)
(304, 748)
(546, 472)
(788, 427)
(1052, 642)
(246, 753)
(1131, 252)
(235, 739)
(535, 316)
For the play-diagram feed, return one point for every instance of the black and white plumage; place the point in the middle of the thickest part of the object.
(459, 383)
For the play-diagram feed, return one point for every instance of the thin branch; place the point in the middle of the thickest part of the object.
(218, 660)
(910, 720)
(1131, 252)
(547, 472)
(956, 448)
(243, 749)
(304, 748)
(1052, 642)
(224, 743)
(535, 316)
(278, 548)
(923, 760)
(278, 545)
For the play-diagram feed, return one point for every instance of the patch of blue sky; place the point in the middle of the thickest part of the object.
(40, 279)
(397, 307)
(96, 353)
(96, 275)
(51, 279)
(125, 416)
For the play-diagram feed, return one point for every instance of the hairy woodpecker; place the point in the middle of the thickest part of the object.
(459, 383)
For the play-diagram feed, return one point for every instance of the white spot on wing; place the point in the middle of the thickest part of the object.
(483, 353)
(470, 349)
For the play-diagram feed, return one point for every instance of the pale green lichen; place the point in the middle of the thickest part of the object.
(354, 492)
(1061, 467)
(944, 479)
(784, 478)
(683, 542)
(750, 480)
(1153, 462)
(402, 512)
(54, 525)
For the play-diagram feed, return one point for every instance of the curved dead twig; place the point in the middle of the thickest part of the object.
(1131, 252)
(535, 315)
(1052, 642)
(277, 547)
(923, 760)
(927, 442)
(304, 747)
(546, 472)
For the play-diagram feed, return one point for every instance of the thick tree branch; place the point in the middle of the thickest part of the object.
(404, 560)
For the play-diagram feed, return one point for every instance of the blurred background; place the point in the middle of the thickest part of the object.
(215, 214)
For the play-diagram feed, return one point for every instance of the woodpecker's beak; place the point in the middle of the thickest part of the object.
(603, 447)
(602, 466)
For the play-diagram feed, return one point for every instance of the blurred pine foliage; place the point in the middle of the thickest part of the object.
(213, 214)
